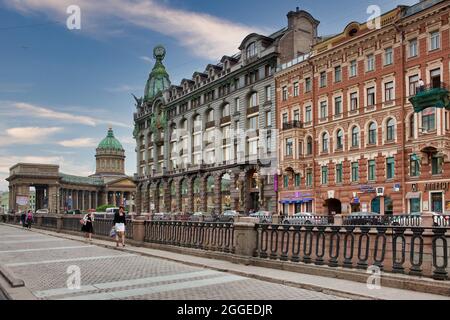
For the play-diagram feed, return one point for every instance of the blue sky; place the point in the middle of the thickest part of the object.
(60, 89)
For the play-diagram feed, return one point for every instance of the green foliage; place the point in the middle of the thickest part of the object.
(104, 207)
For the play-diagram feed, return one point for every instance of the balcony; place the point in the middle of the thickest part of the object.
(292, 125)
(431, 95)
(210, 124)
(225, 119)
(253, 110)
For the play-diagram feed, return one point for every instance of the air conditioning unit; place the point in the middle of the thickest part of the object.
(380, 191)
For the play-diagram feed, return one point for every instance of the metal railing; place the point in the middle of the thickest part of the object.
(49, 222)
(214, 236)
(412, 250)
(295, 124)
(308, 220)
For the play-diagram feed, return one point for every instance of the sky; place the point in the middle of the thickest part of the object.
(61, 89)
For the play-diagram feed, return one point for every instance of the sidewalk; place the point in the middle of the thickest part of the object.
(343, 288)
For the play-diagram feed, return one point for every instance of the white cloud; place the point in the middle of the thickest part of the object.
(205, 35)
(29, 110)
(27, 135)
(147, 59)
(78, 143)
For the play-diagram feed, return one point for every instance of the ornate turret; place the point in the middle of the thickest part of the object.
(110, 156)
(158, 80)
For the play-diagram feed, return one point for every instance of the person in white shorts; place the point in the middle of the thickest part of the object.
(120, 224)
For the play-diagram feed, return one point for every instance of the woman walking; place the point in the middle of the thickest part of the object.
(29, 219)
(88, 226)
(119, 224)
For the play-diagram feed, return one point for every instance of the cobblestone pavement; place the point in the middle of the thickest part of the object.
(43, 263)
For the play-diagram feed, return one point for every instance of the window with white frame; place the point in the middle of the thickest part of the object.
(337, 74)
(413, 84)
(325, 139)
(338, 105)
(285, 93)
(339, 140)
(389, 91)
(296, 89)
(288, 149)
(370, 64)
(413, 48)
(308, 114)
(370, 96)
(353, 68)
(323, 110)
(435, 40)
(251, 50)
(372, 133)
(353, 101)
(390, 130)
(355, 137)
(323, 79)
(268, 93)
(388, 56)
(429, 119)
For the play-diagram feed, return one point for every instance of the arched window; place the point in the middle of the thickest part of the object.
(355, 136)
(339, 140)
(411, 126)
(226, 110)
(390, 130)
(253, 100)
(210, 115)
(372, 133)
(309, 146)
(325, 142)
(251, 50)
(197, 123)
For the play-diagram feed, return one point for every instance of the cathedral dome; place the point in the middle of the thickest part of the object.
(158, 80)
(110, 142)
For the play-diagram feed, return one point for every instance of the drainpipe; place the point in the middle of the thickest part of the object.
(402, 114)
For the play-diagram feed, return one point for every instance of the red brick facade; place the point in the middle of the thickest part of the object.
(384, 134)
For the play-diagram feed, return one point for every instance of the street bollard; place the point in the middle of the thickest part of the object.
(138, 226)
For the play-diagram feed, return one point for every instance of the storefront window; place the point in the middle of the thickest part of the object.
(414, 205)
(436, 165)
(225, 192)
(210, 193)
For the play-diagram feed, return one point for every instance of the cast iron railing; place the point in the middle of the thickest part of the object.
(49, 222)
(214, 236)
(413, 250)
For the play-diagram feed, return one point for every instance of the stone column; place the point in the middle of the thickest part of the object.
(203, 194)
(53, 192)
(243, 192)
(114, 199)
(167, 196)
(145, 197)
(11, 197)
(179, 196)
(218, 193)
(245, 236)
(190, 205)
(262, 202)
(121, 198)
(74, 199)
(139, 229)
(138, 199)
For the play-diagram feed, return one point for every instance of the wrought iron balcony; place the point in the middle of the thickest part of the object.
(431, 95)
(292, 125)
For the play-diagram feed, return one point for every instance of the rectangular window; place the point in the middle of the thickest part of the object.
(324, 175)
(413, 166)
(308, 84)
(309, 177)
(390, 168)
(268, 118)
(436, 165)
(413, 48)
(323, 79)
(353, 68)
(370, 62)
(371, 96)
(296, 116)
(388, 56)
(297, 180)
(237, 104)
(323, 110)
(296, 89)
(308, 115)
(252, 123)
(285, 93)
(339, 173)
(371, 170)
(429, 119)
(285, 118)
(353, 101)
(435, 40)
(355, 171)
(286, 181)
(288, 151)
(337, 74)
(268, 93)
(436, 202)
(389, 91)
(337, 105)
(413, 84)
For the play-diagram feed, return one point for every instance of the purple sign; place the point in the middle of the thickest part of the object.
(275, 183)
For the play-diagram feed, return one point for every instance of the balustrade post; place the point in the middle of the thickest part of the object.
(59, 223)
(138, 226)
(245, 236)
(440, 254)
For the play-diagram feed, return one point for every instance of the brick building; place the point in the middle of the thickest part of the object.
(350, 138)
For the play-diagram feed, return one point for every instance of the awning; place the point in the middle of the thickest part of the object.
(413, 195)
(308, 199)
(288, 201)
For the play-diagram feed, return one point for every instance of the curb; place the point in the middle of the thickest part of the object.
(12, 280)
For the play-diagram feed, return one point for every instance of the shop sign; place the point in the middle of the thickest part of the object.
(396, 187)
(425, 205)
(330, 194)
(437, 186)
(367, 189)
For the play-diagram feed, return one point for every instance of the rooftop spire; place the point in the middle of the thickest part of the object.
(158, 80)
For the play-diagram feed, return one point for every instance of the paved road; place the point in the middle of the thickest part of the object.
(43, 262)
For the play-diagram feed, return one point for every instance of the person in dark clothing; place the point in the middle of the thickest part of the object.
(119, 224)
(29, 219)
(23, 219)
(88, 226)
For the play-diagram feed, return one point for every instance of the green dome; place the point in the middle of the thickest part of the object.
(110, 142)
(158, 80)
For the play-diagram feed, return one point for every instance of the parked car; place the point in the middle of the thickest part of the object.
(264, 216)
(76, 211)
(42, 211)
(363, 218)
(162, 216)
(227, 216)
(305, 218)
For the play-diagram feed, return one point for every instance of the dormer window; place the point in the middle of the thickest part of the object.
(251, 50)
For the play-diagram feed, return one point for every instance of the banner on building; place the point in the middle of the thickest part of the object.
(22, 200)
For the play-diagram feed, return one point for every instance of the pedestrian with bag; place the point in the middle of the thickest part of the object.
(23, 219)
(88, 225)
(119, 225)
(29, 219)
